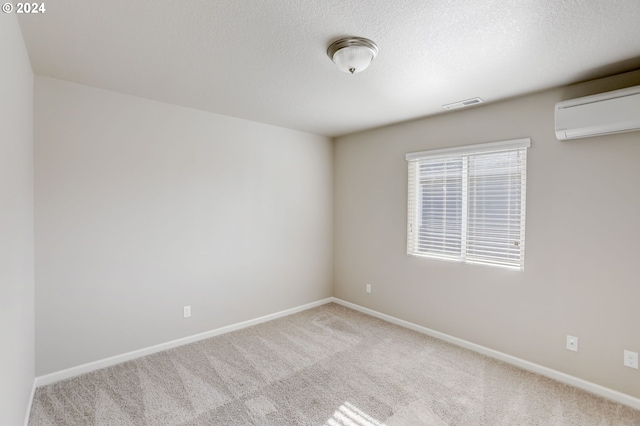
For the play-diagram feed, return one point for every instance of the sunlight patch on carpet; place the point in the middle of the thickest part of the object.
(350, 415)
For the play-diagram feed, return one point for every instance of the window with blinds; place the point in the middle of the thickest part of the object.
(468, 203)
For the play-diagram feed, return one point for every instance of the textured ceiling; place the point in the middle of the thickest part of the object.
(265, 60)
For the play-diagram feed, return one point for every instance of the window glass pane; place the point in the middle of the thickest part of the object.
(494, 207)
(440, 206)
(469, 205)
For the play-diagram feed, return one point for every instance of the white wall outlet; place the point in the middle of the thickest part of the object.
(631, 359)
(572, 343)
(187, 311)
(368, 288)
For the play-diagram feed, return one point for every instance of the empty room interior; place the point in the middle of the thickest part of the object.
(320, 213)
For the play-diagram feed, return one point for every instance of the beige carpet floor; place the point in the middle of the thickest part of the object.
(325, 366)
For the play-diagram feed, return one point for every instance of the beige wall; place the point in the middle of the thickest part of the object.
(582, 241)
(144, 207)
(16, 224)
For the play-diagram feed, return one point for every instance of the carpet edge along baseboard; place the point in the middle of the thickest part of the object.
(591, 387)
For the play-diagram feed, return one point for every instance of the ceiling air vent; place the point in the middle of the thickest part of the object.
(463, 104)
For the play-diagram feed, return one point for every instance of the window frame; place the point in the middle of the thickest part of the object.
(452, 154)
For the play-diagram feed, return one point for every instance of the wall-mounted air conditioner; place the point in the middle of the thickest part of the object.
(602, 114)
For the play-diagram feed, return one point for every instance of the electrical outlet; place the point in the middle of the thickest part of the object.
(187, 311)
(369, 288)
(572, 343)
(631, 359)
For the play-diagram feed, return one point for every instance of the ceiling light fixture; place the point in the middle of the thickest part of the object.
(352, 54)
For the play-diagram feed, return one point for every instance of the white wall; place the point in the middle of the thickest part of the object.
(582, 241)
(144, 207)
(16, 224)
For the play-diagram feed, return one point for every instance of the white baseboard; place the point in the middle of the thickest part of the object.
(602, 391)
(96, 365)
(33, 392)
(518, 362)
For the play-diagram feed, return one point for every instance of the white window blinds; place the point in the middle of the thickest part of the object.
(468, 203)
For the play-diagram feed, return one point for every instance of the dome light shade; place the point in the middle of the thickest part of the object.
(352, 54)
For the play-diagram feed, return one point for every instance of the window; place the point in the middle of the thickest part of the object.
(468, 203)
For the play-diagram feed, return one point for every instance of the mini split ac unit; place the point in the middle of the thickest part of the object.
(602, 114)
